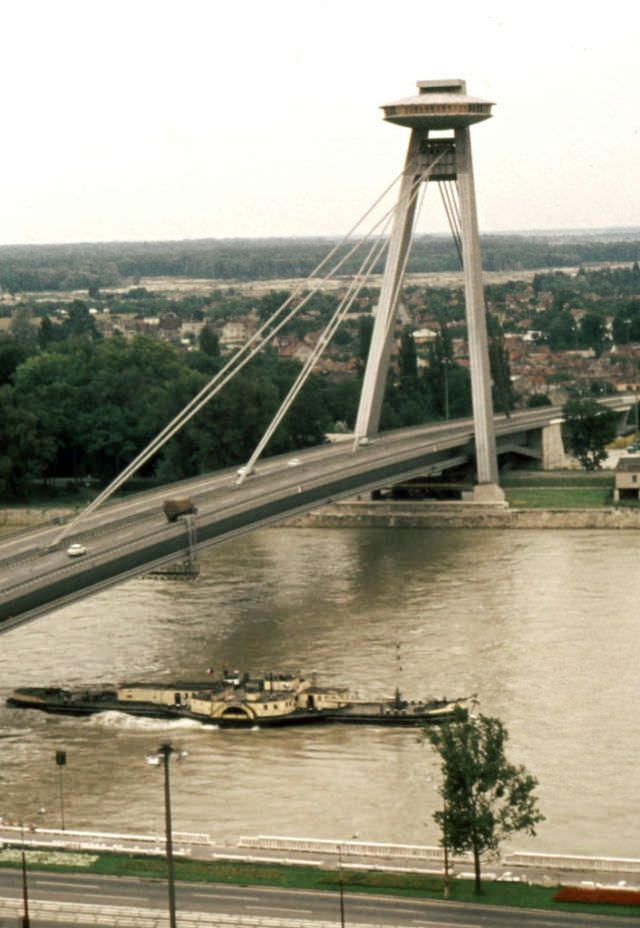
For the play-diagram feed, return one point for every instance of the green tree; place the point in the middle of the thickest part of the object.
(588, 429)
(12, 353)
(447, 384)
(209, 342)
(485, 798)
(408, 359)
(24, 451)
(592, 332)
(561, 330)
(503, 393)
(365, 330)
(23, 329)
(79, 323)
(538, 399)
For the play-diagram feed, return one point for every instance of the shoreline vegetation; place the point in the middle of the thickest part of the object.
(414, 885)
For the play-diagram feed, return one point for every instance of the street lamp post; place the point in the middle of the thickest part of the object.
(445, 364)
(25, 895)
(163, 756)
(445, 841)
(61, 762)
(341, 884)
(445, 846)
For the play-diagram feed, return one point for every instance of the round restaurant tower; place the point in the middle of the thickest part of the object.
(438, 105)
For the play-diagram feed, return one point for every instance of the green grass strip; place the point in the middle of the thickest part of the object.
(558, 497)
(415, 885)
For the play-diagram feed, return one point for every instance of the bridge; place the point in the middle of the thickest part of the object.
(132, 537)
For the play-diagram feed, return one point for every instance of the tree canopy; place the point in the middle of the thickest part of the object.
(588, 429)
(485, 798)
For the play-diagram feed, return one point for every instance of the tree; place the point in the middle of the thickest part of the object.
(592, 332)
(79, 323)
(485, 798)
(209, 342)
(12, 354)
(365, 330)
(407, 359)
(589, 427)
(538, 399)
(503, 393)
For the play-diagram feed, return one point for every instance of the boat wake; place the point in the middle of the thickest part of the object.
(114, 719)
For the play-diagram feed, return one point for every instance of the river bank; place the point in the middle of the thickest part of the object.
(435, 514)
(399, 514)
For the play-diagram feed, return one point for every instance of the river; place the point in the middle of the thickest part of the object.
(541, 624)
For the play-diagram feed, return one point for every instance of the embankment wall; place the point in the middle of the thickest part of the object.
(463, 515)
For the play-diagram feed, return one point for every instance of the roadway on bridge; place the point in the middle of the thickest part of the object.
(132, 536)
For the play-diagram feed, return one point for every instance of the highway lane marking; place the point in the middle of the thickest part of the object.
(56, 883)
(218, 895)
(447, 924)
(109, 896)
(280, 908)
(102, 895)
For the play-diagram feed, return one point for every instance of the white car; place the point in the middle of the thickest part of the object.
(76, 550)
(294, 462)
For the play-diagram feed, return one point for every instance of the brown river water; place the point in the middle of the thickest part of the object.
(542, 625)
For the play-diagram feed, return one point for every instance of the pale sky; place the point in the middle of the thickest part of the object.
(149, 119)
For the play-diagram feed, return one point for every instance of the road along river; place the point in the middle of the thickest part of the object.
(542, 625)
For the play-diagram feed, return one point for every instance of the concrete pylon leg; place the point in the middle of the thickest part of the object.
(553, 453)
(375, 375)
(486, 457)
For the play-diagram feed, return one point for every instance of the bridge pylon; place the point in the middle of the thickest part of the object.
(440, 106)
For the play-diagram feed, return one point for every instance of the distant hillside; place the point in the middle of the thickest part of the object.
(109, 264)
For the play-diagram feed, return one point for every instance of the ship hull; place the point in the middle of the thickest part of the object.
(377, 714)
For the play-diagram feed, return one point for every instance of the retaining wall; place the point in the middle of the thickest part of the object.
(418, 514)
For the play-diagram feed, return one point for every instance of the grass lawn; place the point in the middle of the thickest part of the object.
(301, 877)
(544, 497)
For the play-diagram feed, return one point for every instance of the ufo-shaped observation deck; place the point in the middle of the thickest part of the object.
(438, 105)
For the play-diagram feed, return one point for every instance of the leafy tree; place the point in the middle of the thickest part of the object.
(365, 330)
(592, 332)
(503, 393)
(209, 342)
(562, 331)
(98, 402)
(589, 427)
(485, 798)
(48, 333)
(23, 330)
(626, 323)
(447, 384)
(80, 323)
(408, 359)
(24, 450)
(538, 399)
(12, 353)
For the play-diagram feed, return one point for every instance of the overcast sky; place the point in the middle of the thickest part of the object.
(148, 119)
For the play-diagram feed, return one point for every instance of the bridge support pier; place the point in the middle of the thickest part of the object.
(553, 453)
(489, 493)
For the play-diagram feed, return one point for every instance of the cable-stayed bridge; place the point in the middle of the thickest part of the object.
(132, 537)
(125, 539)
